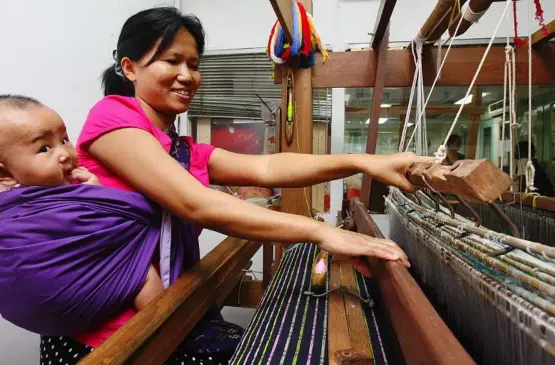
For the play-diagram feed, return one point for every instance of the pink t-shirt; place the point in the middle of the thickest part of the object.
(109, 114)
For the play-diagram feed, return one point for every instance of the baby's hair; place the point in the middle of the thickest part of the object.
(18, 101)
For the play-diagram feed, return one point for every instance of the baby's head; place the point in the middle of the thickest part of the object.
(34, 146)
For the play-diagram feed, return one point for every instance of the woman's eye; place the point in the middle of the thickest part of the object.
(172, 62)
(65, 140)
(45, 149)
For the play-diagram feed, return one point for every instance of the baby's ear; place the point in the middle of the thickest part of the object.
(6, 179)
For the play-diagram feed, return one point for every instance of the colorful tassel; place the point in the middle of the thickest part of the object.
(305, 41)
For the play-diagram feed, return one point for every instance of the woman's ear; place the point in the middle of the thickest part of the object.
(128, 69)
(6, 179)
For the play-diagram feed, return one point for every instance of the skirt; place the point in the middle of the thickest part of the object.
(209, 343)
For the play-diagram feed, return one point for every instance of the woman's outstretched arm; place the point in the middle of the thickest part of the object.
(298, 170)
(137, 157)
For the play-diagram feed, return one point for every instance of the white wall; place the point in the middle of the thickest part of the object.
(55, 51)
(243, 24)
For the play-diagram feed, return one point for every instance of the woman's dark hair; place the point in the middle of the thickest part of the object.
(139, 33)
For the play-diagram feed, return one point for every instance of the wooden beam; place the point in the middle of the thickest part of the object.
(338, 327)
(356, 69)
(474, 180)
(377, 95)
(349, 342)
(542, 36)
(423, 336)
(382, 21)
(155, 332)
(284, 13)
(401, 110)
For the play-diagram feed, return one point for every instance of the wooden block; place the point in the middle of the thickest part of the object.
(320, 273)
(475, 180)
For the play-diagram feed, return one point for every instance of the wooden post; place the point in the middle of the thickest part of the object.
(296, 201)
(474, 128)
(540, 36)
(375, 114)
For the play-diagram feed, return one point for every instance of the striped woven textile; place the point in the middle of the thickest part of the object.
(290, 327)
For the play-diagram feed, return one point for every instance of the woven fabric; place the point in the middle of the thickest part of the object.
(290, 327)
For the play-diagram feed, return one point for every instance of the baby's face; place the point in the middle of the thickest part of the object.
(35, 149)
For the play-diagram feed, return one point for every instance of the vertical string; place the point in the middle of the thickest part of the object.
(438, 75)
(441, 151)
(530, 170)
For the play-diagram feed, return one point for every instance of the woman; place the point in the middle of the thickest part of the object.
(129, 142)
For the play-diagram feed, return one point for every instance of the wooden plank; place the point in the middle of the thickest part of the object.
(474, 180)
(423, 336)
(474, 128)
(401, 110)
(358, 333)
(155, 332)
(338, 330)
(284, 13)
(246, 295)
(542, 36)
(541, 202)
(377, 95)
(355, 69)
(382, 21)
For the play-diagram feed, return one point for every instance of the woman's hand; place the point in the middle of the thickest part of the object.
(353, 247)
(392, 169)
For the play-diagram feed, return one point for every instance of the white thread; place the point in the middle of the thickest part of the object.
(451, 39)
(476, 74)
(512, 107)
(407, 116)
(505, 81)
(530, 170)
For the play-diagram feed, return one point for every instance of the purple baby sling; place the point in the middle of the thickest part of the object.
(72, 257)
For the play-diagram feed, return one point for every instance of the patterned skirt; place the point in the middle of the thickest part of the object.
(209, 343)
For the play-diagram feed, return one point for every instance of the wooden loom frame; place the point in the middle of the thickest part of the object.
(154, 333)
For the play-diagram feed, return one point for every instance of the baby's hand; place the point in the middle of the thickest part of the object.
(83, 176)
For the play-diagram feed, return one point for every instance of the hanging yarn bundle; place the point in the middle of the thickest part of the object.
(305, 40)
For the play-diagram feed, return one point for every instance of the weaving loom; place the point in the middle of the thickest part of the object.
(498, 301)
(507, 297)
(510, 296)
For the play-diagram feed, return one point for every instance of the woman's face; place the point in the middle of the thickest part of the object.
(169, 83)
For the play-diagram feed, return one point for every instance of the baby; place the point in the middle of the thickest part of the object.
(35, 151)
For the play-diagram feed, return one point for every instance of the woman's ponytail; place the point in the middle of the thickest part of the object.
(114, 84)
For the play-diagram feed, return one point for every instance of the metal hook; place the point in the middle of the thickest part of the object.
(474, 213)
(440, 196)
(344, 290)
(512, 226)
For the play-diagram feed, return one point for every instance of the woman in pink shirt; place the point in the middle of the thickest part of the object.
(129, 141)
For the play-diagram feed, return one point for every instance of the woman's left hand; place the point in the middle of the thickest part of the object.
(392, 169)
